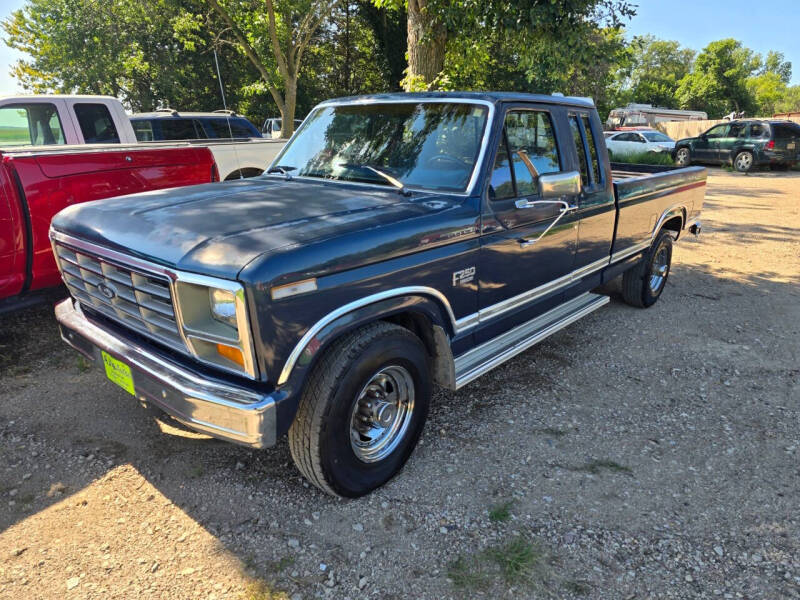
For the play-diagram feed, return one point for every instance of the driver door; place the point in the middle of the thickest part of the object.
(706, 148)
(521, 255)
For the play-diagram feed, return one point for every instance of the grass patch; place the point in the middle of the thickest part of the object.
(518, 561)
(259, 590)
(595, 467)
(501, 512)
(645, 158)
(83, 364)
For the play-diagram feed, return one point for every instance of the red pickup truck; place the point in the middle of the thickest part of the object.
(36, 183)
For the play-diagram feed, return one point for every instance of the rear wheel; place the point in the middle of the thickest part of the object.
(362, 410)
(683, 157)
(643, 283)
(743, 161)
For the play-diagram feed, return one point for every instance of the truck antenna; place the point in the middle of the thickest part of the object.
(227, 113)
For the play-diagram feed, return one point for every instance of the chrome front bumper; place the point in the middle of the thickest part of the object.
(223, 410)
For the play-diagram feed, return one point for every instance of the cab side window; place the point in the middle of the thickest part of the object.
(528, 149)
(96, 124)
(34, 124)
(717, 132)
(737, 130)
(581, 150)
(595, 162)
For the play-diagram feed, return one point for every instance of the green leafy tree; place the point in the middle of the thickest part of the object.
(718, 82)
(474, 27)
(790, 102)
(656, 68)
(124, 48)
(275, 42)
(767, 89)
(774, 63)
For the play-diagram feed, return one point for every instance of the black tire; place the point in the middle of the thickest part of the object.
(320, 436)
(683, 157)
(638, 286)
(744, 161)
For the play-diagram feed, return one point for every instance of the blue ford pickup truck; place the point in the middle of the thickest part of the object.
(398, 241)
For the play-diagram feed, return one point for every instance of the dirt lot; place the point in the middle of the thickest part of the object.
(636, 454)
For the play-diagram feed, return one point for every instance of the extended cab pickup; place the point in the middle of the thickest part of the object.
(75, 120)
(36, 183)
(398, 241)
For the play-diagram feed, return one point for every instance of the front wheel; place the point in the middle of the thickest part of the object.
(743, 161)
(362, 410)
(683, 158)
(643, 283)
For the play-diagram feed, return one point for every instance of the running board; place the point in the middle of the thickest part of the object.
(474, 363)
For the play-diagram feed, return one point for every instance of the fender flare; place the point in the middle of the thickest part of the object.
(422, 300)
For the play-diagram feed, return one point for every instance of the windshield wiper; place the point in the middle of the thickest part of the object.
(401, 188)
(283, 170)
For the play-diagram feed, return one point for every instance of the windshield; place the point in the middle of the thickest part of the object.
(429, 145)
(655, 136)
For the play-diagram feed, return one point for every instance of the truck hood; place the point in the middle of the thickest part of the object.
(217, 229)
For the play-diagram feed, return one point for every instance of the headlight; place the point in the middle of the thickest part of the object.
(212, 315)
(223, 306)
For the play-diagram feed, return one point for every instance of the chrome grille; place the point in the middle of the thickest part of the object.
(136, 299)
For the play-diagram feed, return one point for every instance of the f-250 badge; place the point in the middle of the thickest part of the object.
(463, 276)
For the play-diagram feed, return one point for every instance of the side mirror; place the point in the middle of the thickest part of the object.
(556, 185)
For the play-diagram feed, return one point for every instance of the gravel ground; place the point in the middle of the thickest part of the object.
(636, 454)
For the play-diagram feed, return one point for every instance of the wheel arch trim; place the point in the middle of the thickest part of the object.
(409, 291)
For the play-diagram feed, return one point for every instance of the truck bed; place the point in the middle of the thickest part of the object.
(648, 195)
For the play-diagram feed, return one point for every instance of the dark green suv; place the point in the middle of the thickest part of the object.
(743, 144)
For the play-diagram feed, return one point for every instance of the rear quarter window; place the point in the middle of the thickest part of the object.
(784, 131)
(96, 124)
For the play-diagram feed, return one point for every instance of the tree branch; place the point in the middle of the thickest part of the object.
(248, 50)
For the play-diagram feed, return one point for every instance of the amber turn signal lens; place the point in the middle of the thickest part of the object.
(231, 353)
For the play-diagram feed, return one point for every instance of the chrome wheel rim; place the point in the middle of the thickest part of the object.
(744, 161)
(683, 156)
(659, 270)
(381, 414)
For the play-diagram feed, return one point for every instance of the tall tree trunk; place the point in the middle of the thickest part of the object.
(289, 106)
(426, 44)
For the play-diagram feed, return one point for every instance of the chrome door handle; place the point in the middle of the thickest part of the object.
(566, 207)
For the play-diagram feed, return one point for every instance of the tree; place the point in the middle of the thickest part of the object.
(718, 82)
(774, 63)
(123, 48)
(275, 43)
(433, 24)
(657, 66)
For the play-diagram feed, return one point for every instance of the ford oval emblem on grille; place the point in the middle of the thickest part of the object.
(107, 290)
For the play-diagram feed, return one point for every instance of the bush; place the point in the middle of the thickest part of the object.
(644, 158)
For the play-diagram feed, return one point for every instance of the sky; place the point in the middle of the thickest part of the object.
(761, 26)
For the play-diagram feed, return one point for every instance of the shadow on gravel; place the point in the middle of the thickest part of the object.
(55, 413)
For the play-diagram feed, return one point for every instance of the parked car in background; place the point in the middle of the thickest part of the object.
(744, 144)
(272, 127)
(37, 182)
(72, 120)
(399, 240)
(634, 142)
(169, 124)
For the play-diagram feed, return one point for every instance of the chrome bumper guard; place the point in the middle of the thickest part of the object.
(223, 410)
